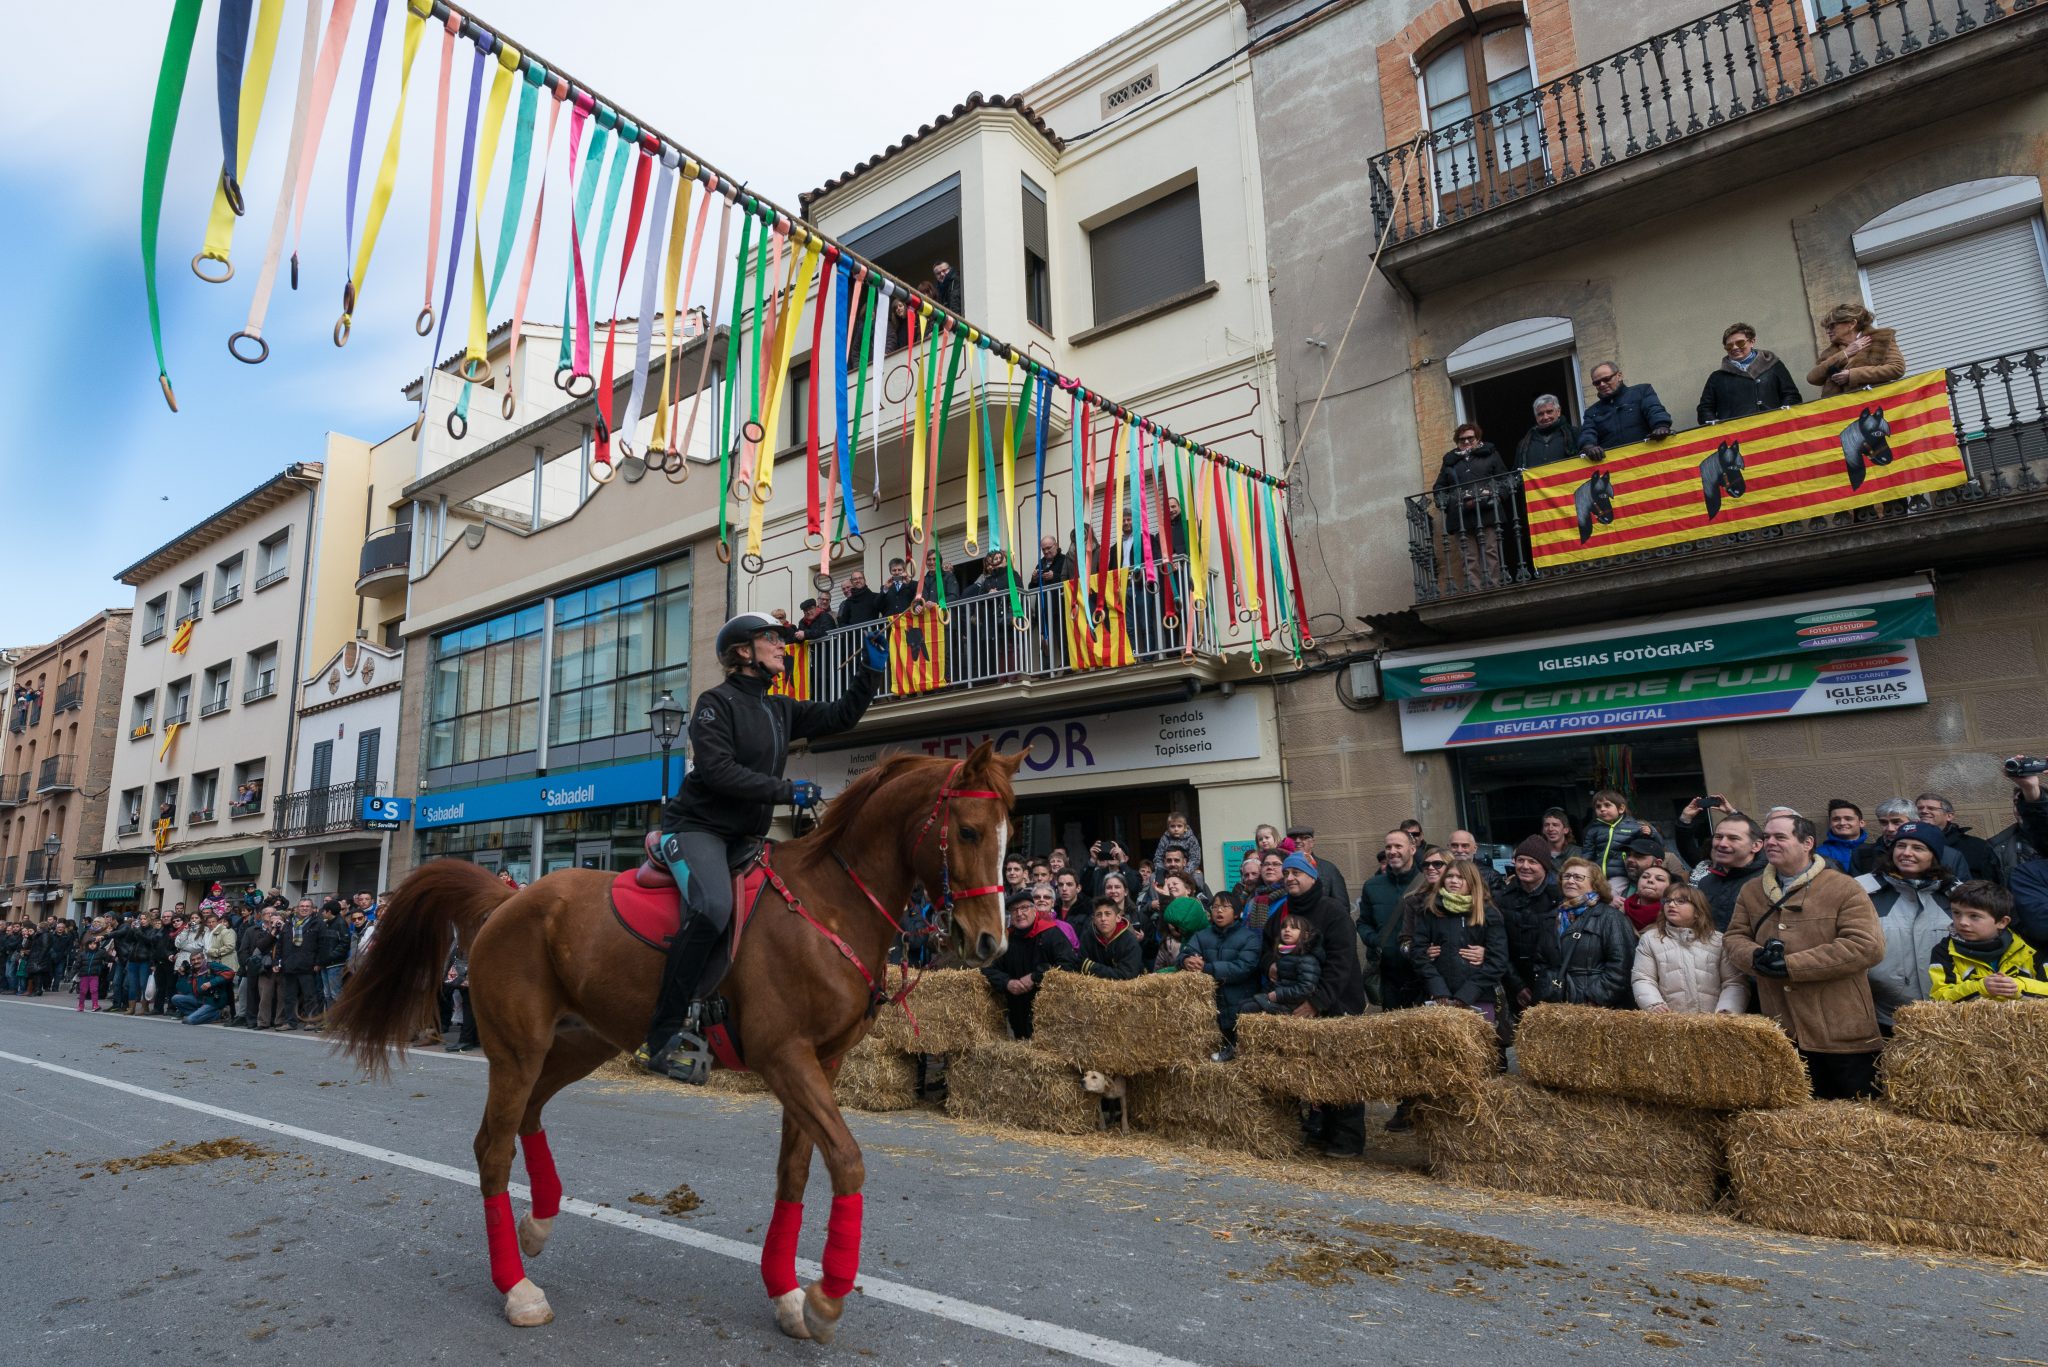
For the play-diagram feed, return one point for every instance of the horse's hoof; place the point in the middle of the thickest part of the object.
(526, 1305)
(821, 1314)
(533, 1234)
(789, 1314)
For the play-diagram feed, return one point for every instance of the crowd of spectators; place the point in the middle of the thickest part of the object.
(1734, 913)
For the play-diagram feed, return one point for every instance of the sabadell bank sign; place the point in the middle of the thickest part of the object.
(1207, 730)
(637, 781)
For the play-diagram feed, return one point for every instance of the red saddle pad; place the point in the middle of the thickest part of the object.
(653, 915)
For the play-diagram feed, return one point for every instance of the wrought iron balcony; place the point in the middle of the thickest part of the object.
(1684, 91)
(42, 868)
(331, 810)
(131, 824)
(227, 596)
(13, 789)
(179, 713)
(58, 773)
(2001, 418)
(386, 556)
(70, 694)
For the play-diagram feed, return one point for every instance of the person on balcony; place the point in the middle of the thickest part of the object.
(1470, 489)
(861, 604)
(1623, 413)
(1748, 380)
(817, 617)
(1549, 441)
(900, 592)
(1857, 355)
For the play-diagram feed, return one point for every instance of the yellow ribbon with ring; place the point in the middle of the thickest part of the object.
(764, 474)
(220, 223)
(476, 363)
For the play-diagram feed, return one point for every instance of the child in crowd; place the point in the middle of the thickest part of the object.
(1646, 903)
(1680, 965)
(1982, 957)
(92, 961)
(1178, 837)
(1293, 972)
(1607, 838)
(1184, 916)
(1110, 949)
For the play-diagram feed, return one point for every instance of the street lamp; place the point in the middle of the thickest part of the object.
(667, 718)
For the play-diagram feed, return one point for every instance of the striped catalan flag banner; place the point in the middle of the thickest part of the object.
(1105, 644)
(1829, 456)
(182, 642)
(917, 651)
(795, 679)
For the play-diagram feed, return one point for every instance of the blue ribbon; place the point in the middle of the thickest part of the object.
(840, 323)
(1038, 492)
(231, 43)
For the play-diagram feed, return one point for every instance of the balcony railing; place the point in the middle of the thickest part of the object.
(180, 714)
(251, 807)
(272, 576)
(190, 614)
(58, 772)
(42, 868)
(1679, 84)
(385, 552)
(13, 789)
(218, 702)
(265, 685)
(983, 647)
(2001, 418)
(322, 811)
(227, 596)
(130, 824)
(70, 694)
(154, 631)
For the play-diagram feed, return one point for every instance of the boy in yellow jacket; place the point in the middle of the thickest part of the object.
(1981, 956)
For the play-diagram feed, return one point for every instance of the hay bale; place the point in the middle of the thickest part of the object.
(1012, 1083)
(1713, 1063)
(1974, 1063)
(1515, 1136)
(1854, 1170)
(876, 1077)
(1215, 1105)
(956, 1011)
(1392, 1056)
(1160, 1020)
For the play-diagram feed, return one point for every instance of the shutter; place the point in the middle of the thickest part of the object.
(1149, 254)
(1036, 237)
(366, 755)
(323, 763)
(907, 221)
(1967, 299)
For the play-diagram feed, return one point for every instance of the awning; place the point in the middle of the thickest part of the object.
(239, 864)
(1897, 610)
(113, 892)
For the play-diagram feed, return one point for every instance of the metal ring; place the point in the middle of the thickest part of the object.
(821, 580)
(424, 324)
(227, 272)
(482, 374)
(455, 417)
(1099, 615)
(856, 543)
(815, 541)
(560, 371)
(917, 535)
(623, 447)
(1247, 615)
(589, 385)
(751, 432)
(763, 491)
(259, 358)
(170, 397)
(751, 563)
(342, 327)
(724, 552)
(510, 402)
(1258, 665)
(673, 463)
(1021, 623)
(633, 468)
(601, 470)
(231, 191)
(945, 617)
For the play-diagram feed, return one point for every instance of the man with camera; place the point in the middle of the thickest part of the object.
(1733, 856)
(1105, 857)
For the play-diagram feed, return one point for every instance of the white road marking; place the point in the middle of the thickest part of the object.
(1072, 1342)
(432, 1053)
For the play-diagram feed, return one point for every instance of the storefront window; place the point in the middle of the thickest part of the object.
(484, 702)
(617, 644)
(602, 838)
(500, 846)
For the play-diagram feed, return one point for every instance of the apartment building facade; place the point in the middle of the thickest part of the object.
(62, 706)
(1530, 192)
(333, 824)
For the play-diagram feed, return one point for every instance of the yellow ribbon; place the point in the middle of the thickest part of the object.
(477, 358)
(911, 319)
(671, 270)
(220, 224)
(387, 171)
(1251, 560)
(778, 375)
(1198, 552)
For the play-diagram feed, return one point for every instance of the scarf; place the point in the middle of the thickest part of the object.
(1455, 903)
(1775, 892)
(1568, 912)
(1991, 951)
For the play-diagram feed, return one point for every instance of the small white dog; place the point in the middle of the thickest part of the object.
(1108, 1089)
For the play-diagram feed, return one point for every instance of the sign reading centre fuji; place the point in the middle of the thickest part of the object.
(1204, 730)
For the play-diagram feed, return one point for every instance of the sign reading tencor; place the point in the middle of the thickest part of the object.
(1206, 730)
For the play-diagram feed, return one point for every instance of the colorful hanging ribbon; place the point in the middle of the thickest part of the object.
(463, 175)
(476, 361)
(814, 520)
(387, 170)
(338, 21)
(424, 322)
(251, 78)
(643, 344)
(704, 366)
(359, 130)
(514, 372)
(230, 46)
(615, 179)
(570, 365)
(678, 234)
(163, 128)
(605, 417)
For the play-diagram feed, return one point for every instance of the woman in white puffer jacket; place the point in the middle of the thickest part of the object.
(1680, 965)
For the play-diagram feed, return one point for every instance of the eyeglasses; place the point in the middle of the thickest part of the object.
(1602, 381)
(1435, 864)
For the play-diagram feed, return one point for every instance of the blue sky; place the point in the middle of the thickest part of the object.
(95, 471)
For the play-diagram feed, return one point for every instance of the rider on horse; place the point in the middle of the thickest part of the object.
(739, 740)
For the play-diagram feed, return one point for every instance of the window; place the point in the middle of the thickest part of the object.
(142, 717)
(189, 594)
(796, 401)
(262, 673)
(1037, 255)
(131, 812)
(484, 694)
(368, 743)
(248, 789)
(911, 239)
(205, 789)
(1479, 149)
(1149, 255)
(227, 581)
(273, 558)
(213, 688)
(164, 809)
(155, 616)
(1959, 273)
(617, 645)
(323, 765)
(178, 702)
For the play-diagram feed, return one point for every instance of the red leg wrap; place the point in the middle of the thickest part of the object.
(842, 1247)
(778, 1250)
(540, 1175)
(506, 1269)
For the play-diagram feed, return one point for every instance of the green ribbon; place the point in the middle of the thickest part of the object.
(586, 192)
(163, 128)
(732, 359)
(869, 302)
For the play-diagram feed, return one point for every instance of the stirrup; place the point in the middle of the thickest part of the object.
(686, 1058)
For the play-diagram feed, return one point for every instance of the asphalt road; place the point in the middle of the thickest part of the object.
(352, 1233)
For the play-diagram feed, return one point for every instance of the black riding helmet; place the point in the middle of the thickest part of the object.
(744, 628)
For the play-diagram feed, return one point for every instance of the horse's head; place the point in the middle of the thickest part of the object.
(975, 800)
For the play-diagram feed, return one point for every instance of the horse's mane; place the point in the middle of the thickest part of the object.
(844, 809)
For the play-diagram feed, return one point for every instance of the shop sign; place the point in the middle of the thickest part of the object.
(1844, 680)
(617, 786)
(1205, 730)
(385, 813)
(1892, 611)
(241, 864)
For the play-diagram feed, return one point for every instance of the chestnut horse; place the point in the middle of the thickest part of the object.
(559, 987)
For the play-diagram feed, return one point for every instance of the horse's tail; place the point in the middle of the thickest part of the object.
(394, 991)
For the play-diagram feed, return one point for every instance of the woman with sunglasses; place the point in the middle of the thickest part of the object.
(1586, 957)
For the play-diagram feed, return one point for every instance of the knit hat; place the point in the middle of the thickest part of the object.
(1185, 915)
(1538, 849)
(1300, 863)
(1646, 842)
(1927, 833)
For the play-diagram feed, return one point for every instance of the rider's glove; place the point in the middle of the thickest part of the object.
(804, 794)
(875, 650)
